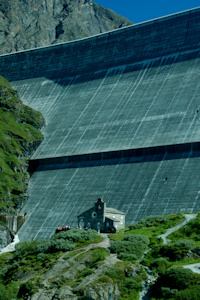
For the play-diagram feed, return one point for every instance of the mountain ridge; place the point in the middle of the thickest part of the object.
(32, 24)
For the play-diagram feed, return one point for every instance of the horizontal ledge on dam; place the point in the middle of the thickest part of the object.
(164, 152)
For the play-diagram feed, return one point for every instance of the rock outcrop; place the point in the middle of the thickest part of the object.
(6, 236)
(26, 24)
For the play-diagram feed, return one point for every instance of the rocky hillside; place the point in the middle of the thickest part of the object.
(19, 137)
(26, 24)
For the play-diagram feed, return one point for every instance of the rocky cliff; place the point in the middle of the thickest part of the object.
(6, 236)
(19, 138)
(26, 24)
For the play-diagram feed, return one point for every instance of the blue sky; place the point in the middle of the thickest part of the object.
(143, 10)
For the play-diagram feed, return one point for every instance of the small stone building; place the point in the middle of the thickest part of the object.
(102, 218)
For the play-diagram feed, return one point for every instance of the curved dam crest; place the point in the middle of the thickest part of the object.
(123, 122)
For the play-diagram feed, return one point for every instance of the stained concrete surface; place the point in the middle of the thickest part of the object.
(133, 88)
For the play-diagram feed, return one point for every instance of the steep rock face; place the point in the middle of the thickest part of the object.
(5, 236)
(19, 137)
(26, 24)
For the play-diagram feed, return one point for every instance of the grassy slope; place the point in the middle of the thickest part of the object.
(19, 135)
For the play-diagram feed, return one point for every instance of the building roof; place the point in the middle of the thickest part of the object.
(113, 211)
(116, 218)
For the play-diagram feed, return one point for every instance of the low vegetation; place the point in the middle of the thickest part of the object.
(23, 272)
(131, 248)
(188, 232)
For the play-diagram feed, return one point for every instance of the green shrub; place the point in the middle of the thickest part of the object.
(9, 291)
(177, 250)
(161, 264)
(122, 246)
(173, 251)
(137, 238)
(24, 249)
(42, 246)
(60, 245)
(116, 274)
(189, 231)
(132, 244)
(86, 272)
(168, 293)
(149, 221)
(191, 293)
(127, 257)
(30, 287)
(42, 256)
(178, 278)
(184, 244)
(174, 279)
(130, 284)
(76, 235)
(161, 221)
(98, 254)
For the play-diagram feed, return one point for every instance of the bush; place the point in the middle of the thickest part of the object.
(116, 274)
(161, 264)
(98, 254)
(177, 250)
(178, 278)
(190, 230)
(24, 249)
(76, 235)
(130, 284)
(192, 292)
(149, 221)
(173, 251)
(42, 246)
(122, 246)
(174, 279)
(86, 272)
(9, 292)
(60, 245)
(42, 256)
(168, 293)
(134, 244)
(127, 257)
(164, 221)
(137, 238)
(30, 287)
(184, 244)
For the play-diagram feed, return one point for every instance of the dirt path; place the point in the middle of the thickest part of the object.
(170, 230)
(195, 267)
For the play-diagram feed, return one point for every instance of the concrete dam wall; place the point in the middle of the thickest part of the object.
(122, 114)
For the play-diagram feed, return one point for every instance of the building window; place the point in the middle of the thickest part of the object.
(94, 214)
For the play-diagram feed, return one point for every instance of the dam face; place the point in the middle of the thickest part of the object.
(122, 114)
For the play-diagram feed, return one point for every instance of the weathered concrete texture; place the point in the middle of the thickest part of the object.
(137, 187)
(134, 88)
(116, 112)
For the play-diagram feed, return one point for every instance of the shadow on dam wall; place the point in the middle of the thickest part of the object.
(123, 122)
